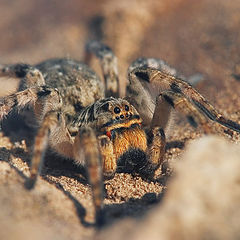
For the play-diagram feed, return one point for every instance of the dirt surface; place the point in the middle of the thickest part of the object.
(196, 37)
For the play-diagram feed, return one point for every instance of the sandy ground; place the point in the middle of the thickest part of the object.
(196, 37)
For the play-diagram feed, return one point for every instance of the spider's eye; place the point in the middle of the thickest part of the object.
(127, 108)
(117, 110)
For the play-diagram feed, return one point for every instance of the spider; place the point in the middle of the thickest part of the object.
(80, 118)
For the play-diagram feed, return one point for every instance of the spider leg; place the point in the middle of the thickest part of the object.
(156, 135)
(14, 70)
(35, 96)
(161, 113)
(180, 103)
(22, 76)
(161, 65)
(48, 125)
(159, 79)
(46, 102)
(155, 152)
(86, 151)
(109, 162)
(143, 95)
(155, 63)
(108, 63)
(83, 150)
(29, 75)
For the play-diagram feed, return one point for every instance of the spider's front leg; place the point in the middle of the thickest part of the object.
(86, 152)
(42, 99)
(25, 76)
(181, 95)
(109, 161)
(48, 126)
(46, 103)
(156, 120)
(156, 135)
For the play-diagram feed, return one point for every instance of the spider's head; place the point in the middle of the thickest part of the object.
(109, 114)
(116, 113)
(120, 121)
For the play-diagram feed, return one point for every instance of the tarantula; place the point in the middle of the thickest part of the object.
(77, 118)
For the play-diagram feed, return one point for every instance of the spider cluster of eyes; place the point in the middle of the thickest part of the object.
(117, 110)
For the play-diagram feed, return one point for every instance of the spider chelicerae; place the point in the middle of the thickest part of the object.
(71, 111)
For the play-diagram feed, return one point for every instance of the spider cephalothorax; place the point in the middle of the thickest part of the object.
(106, 135)
(119, 123)
(109, 114)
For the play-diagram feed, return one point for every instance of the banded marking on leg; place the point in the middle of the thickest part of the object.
(217, 117)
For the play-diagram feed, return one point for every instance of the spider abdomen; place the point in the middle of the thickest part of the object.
(79, 86)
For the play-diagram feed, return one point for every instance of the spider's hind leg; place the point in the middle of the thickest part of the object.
(108, 63)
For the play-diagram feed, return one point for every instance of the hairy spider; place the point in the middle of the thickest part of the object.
(80, 119)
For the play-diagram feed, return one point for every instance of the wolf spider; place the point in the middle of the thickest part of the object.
(77, 118)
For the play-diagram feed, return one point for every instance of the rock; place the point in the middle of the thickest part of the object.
(202, 200)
